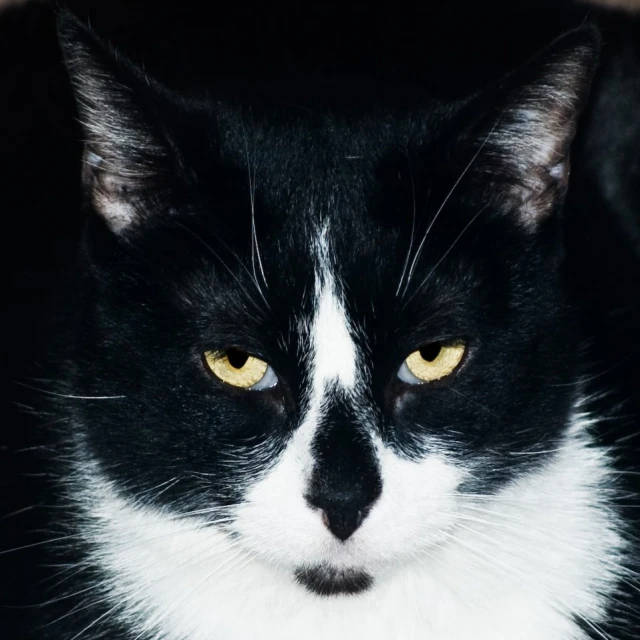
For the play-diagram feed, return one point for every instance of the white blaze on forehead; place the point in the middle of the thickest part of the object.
(332, 359)
(334, 353)
(333, 350)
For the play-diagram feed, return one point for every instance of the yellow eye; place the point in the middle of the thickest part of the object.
(238, 368)
(432, 362)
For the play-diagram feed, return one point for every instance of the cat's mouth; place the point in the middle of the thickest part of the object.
(325, 580)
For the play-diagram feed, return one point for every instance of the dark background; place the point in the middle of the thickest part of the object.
(455, 49)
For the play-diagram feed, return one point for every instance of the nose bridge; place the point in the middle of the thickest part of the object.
(345, 481)
(342, 449)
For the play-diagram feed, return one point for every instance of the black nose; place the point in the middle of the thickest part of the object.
(345, 481)
(343, 520)
(343, 512)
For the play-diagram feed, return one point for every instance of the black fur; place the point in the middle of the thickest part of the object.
(378, 162)
(328, 582)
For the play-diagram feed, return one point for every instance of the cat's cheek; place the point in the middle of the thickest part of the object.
(417, 507)
(274, 519)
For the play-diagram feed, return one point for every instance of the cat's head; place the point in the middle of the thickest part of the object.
(318, 329)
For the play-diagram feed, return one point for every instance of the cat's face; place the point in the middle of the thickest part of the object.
(324, 334)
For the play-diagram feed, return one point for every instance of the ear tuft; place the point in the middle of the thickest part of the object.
(123, 153)
(527, 147)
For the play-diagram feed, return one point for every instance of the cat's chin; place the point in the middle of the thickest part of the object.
(325, 580)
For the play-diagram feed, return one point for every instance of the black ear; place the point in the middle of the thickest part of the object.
(125, 154)
(523, 145)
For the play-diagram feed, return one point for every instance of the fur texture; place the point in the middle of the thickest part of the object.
(331, 236)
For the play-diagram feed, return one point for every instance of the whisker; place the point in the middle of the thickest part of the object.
(41, 543)
(222, 262)
(442, 206)
(105, 585)
(233, 559)
(478, 404)
(255, 249)
(512, 570)
(17, 512)
(446, 253)
(413, 229)
(584, 380)
(66, 395)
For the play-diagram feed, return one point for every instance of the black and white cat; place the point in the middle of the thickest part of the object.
(325, 377)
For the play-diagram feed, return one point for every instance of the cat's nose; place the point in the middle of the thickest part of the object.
(342, 521)
(346, 480)
(344, 493)
(342, 513)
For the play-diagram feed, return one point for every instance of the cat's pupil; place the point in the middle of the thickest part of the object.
(237, 359)
(431, 351)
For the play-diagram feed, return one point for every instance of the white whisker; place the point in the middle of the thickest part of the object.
(513, 572)
(255, 249)
(442, 206)
(446, 253)
(413, 230)
(67, 395)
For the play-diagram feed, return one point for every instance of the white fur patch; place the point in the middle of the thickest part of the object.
(516, 565)
(334, 353)
(118, 213)
(332, 363)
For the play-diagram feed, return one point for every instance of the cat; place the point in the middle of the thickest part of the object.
(323, 376)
